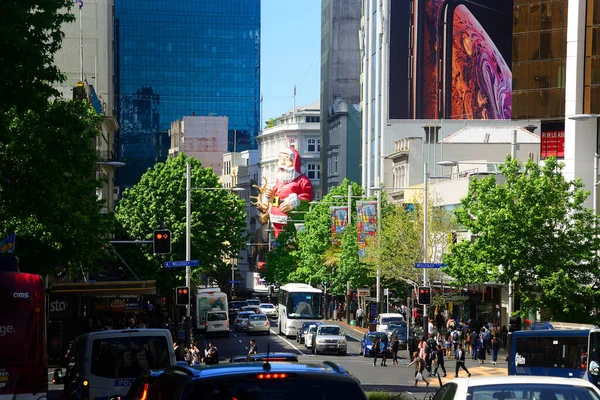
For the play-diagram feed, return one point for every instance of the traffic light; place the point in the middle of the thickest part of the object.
(182, 296)
(325, 283)
(424, 295)
(162, 241)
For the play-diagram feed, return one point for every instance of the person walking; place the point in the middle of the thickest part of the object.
(359, 316)
(383, 347)
(439, 361)
(394, 347)
(253, 348)
(375, 350)
(481, 349)
(460, 361)
(419, 368)
(412, 345)
(495, 349)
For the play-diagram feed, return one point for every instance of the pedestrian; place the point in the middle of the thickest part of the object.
(430, 327)
(504, 336)
(359, 316)
(211, 354)
(460, 361)
(253, 348)
(412, 345)
(481, 349)
(383, 348)
(439, 361)
(394, 349)
(474, 338)
(439, 321)
(495, 349)
(375, 349)
(194, 353)
(419, 368)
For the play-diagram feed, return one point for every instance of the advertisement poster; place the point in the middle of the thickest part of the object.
(366, 217)
(553, 144)
(339, 220)
(458, 55)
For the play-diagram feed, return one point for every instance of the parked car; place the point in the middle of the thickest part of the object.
(259, 323)
(217, 323)
(268, 309)
(241, 321)
(518, 387)
(366, 343)
(302, 331)
(312, 329)
(329, 338)
(254, 380)
(262, 357)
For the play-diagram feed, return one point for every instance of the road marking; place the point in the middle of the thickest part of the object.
(287, 341)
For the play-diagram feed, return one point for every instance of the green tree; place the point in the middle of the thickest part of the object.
(48, 191)
(531, 228)
(402, 240)
(282, 261)
(349, 267)
(31, 34)
(217, 220)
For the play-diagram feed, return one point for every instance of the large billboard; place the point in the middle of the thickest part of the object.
(450, 59)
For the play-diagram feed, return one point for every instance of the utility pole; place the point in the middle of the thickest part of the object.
(425, 242)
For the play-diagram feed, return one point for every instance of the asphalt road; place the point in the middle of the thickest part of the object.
(394, 378)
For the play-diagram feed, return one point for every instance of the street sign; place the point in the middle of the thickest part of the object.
(429, 265)
(386, 292)
(234, 282)
(174, 264)
(363, 291)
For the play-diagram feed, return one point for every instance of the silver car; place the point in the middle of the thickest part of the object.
(258, 323)
(268, 309)
(329, 338)
(241, 321)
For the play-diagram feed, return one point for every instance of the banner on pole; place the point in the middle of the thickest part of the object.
(366, 217)
(339, 221)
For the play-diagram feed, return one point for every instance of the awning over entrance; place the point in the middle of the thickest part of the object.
(91, 289)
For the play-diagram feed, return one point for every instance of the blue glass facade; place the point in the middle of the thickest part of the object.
(182, 58)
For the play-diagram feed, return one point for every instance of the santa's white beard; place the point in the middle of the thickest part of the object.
(286, 175)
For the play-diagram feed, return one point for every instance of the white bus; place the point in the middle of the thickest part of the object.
(298, 303)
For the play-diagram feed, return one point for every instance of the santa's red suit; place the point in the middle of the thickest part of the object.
(298, 189)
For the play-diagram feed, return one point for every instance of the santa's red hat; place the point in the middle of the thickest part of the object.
(293, 154)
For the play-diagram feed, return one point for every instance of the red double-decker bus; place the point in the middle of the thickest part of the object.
(23, 366)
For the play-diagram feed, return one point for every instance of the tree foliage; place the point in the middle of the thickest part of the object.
(532, 230)
(217, 220)
(282, 261)
(48, 190)
(402, 240)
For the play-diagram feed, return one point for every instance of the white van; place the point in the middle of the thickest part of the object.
(385, 319)
(105, 363)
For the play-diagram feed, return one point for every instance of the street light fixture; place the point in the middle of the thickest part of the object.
(188, 238)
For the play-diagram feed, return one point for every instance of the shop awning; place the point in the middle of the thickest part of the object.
(91, 289)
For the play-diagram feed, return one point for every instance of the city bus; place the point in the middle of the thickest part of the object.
(23, 367)
(556, 349)
(298, 303)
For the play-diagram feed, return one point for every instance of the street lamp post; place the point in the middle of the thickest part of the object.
(188, 241)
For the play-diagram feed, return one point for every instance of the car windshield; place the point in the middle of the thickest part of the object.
(312, 329)
(272, 389)
(267, 306)
(217, 317)
(329, 330)
(238, 304)
(531, 391)
(253, 302)
(372, 336)
(258, 317)
(127, 357)
(391, 320)
(244, 315)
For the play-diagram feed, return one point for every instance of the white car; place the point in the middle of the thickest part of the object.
(308, 336)
(241, 321)
(268, 309)
(217, 322)
(518, 387)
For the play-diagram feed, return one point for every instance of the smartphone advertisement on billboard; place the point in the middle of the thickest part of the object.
(450, 59)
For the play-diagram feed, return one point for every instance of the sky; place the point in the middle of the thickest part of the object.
(290, 53)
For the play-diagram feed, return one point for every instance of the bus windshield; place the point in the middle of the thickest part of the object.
(304, 305)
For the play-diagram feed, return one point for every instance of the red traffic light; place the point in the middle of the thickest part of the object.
(162, 235)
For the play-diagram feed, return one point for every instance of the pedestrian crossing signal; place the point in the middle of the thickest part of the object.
(424, 295)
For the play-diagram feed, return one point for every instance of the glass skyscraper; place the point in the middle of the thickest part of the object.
(183, 58)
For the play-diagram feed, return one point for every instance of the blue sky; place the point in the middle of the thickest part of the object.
(290, 52)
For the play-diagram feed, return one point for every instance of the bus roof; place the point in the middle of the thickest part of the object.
(15, 280)
(543, 325)
(299, 287)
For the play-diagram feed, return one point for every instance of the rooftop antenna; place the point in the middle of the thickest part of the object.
(266, 365)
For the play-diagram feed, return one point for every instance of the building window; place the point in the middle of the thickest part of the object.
(313, 145)
(335, 165)
(313, 119)
(314, 171)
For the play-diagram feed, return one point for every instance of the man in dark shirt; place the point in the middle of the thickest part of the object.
(460, 360)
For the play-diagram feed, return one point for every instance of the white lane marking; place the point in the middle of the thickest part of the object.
(287, 341)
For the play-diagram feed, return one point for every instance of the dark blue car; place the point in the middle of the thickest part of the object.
(366, 343)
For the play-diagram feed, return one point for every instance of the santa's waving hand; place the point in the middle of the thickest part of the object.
(290, 188)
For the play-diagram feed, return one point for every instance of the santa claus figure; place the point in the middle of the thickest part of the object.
(291, 187)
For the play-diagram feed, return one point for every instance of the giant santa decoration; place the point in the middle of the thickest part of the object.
(291, 187)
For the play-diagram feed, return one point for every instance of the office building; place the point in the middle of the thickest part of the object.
(176, 59)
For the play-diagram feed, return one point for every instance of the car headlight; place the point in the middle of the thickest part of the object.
(342, 341)
(320, 341)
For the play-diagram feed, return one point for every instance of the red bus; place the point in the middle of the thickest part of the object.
(23, 367)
